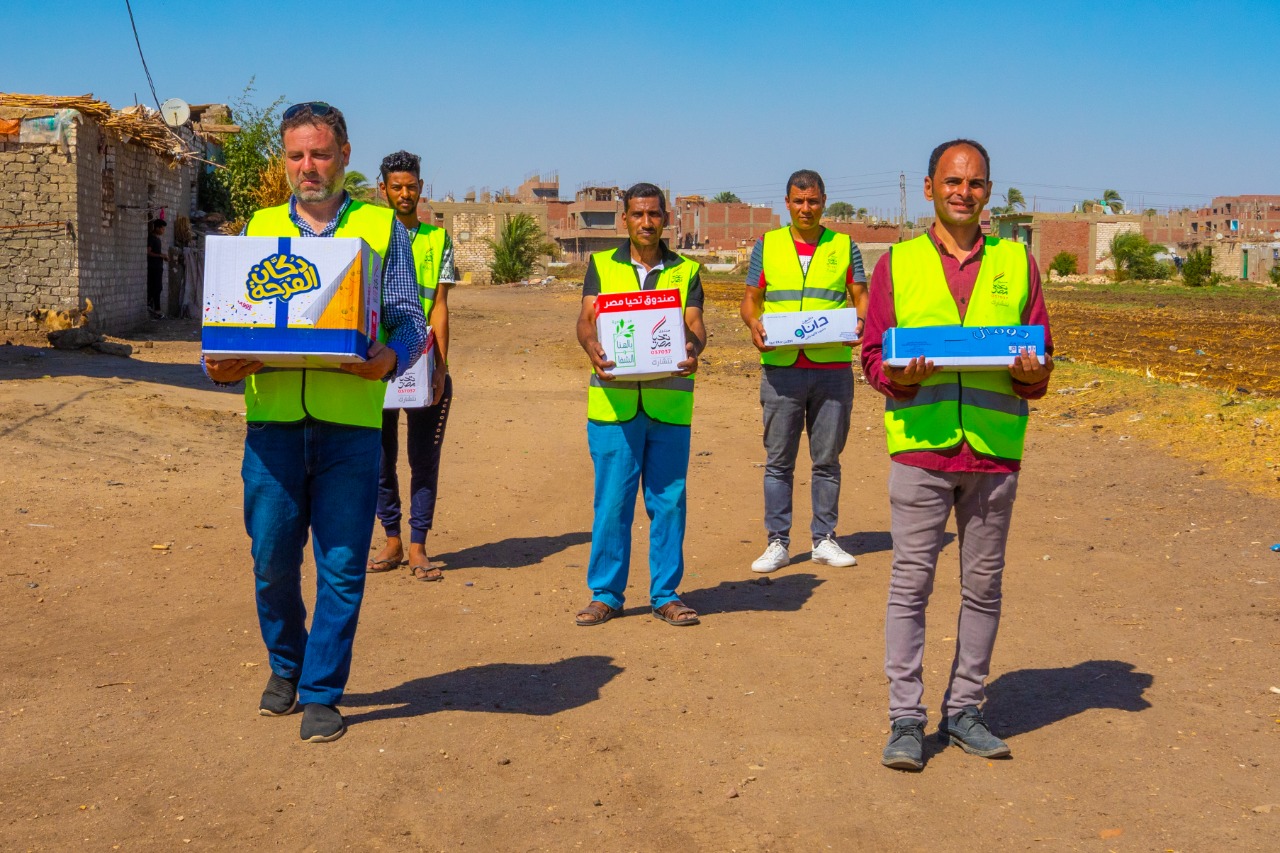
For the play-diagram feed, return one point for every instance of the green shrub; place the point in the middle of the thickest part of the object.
(1064, 263)
(1135, 257)
(1197, 269)
(1274, 275)
(518, 247)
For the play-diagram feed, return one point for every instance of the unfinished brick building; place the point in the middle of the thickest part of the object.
(77, 189)
(719, 226)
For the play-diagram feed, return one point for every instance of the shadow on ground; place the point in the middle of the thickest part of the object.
(780, 593)
(513, 553)
(875, 541)
(27, 362)
(1028, 699)
(506, 688)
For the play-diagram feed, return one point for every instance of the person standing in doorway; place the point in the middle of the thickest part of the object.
(156, 259)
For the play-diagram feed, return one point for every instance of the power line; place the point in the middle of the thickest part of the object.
(138, 42)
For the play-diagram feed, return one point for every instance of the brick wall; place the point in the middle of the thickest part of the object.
(1063, 236)
(37, 265)
(108, 190)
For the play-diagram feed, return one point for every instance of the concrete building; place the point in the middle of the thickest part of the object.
(720, 226)
(1087, 236)
(1241, 231)
(472, 224)
(594, 222)
(78, 188)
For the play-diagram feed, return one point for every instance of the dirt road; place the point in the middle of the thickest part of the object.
(1132, 677)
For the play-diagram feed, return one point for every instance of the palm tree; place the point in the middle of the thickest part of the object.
(841, 211)
(357, 184)
(519, 245)
(1014, 201)
(1110, 201)
(860, 213)
(726, 197)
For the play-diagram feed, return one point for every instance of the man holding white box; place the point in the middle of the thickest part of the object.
(638, 431)
(956, 442)
(401, 182)
(312, 444)
(811, 275)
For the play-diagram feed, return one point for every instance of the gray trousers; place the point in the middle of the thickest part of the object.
(795, 400)
(921, 501)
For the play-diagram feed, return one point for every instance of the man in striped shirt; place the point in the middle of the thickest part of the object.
(809, 390)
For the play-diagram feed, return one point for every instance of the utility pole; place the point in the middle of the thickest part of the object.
(902, 201)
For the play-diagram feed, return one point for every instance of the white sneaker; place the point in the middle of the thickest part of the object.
(773, 558)
(827, 553)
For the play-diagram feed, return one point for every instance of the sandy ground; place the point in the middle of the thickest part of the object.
(1133, 678)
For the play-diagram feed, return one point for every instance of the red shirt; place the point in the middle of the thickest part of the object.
(962, 274)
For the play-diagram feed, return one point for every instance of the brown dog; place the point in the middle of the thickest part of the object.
(55, 320)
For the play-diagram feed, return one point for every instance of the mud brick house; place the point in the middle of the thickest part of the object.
(79, 181)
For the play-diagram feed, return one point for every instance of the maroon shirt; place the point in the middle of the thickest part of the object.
(962, 274)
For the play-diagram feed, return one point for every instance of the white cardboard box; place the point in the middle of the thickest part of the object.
(642, 332)
(412, 390)
(793, 329)
(291, 301)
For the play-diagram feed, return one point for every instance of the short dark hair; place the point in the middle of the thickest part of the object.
(401, 161)
(804, 179)
(158, 223)
(323, 115)
(944, 147)
(644, 190)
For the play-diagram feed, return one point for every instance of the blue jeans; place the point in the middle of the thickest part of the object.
(626, 455)
(816, 401)
(425, 435)
(322, 477)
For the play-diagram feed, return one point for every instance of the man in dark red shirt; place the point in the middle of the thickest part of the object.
(926, 485)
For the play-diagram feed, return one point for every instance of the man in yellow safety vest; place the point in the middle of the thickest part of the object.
(638, 432)
(955, 440)
(313, 439)
(803, 267)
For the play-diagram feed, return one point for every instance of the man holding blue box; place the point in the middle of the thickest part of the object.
(314, 437)
(956, 442)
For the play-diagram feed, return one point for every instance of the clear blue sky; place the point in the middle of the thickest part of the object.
(1168, 102)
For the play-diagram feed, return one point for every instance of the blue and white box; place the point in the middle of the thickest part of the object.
(793, 329)
(961, 348)
(309, 302)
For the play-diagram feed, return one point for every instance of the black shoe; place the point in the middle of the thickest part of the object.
(280, 697)
(969, 731)
(905, 750)
(322, 723)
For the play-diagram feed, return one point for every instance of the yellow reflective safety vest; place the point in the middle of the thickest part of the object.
(979, 407)
(286, 395)
(428, 252)
(791, 288)
(669, 400)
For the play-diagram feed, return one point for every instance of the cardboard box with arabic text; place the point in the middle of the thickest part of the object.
(642, 332)
(412, 389)
(291, 301)
(792, 329)
(962, 348)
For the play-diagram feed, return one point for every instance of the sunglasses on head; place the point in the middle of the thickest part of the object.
(315, 108)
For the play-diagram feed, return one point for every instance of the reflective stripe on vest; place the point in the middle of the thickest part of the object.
(790, 288)
(980, 407)
(428, 251)
(289, 395)
(670, 399)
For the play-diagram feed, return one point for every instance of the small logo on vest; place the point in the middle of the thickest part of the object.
(832, 263)
(281, 276)
(999, 290)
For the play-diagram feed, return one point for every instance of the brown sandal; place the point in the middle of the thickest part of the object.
(676, 613)
(595, 613)
(426, 574)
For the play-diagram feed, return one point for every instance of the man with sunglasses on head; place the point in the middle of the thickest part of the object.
(401, 183)
(314, 437)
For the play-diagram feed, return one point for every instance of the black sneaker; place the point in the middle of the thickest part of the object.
(280, 697)
(322, 723)
(905, 750)
(969, 731)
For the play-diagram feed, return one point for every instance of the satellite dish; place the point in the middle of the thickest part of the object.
(175, 112)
